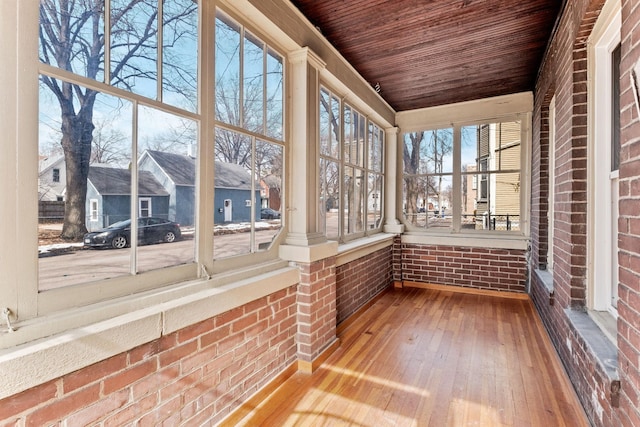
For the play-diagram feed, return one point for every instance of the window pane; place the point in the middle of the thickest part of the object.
(253, 84)
(82, 54)
(354, 125)
(335, 127)
(227, 57)
(269, 159)
(325, 123)
(180, 54)
(494, 204)
(92, 154)
(233, 187)
(275, 96)
(615, 109)
(436, 151)
(329, 197)
(134, 46)
(375, 148)
(167, 159)
(374, 201)
(494, 145)
(354, 187)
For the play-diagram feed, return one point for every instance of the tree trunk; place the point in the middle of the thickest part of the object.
(77, 134)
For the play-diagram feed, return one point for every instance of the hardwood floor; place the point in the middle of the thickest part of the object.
(431, 357)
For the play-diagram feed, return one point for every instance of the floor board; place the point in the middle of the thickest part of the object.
(432, 357)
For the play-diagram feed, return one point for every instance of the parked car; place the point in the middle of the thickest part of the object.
(268, 213)
(118, 235)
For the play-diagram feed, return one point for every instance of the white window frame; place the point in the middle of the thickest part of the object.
(93, 210)
(551, 174)
(19, 288)
(491, 110)
(342, 163)
(149, 207)
(602, 182)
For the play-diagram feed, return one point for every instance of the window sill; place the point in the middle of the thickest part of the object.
(362, 247)
(599, 346)
(546, 278)
(147, 317)
(474, 240)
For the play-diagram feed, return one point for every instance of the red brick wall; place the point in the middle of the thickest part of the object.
(194, 376)
(317, 308)
(564, 74)
(494, 269)
(359, 281)
(629, 224)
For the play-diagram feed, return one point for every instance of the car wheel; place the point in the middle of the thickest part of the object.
(169, 237)
(119, 242)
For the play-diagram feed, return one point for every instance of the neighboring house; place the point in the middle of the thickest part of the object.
(176, 173)
(166, 190)
(498, 194)
(271, 185)
(109, 196)
(233, 201)
(52, 178)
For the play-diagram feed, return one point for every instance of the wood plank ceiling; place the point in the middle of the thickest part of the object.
(424, 53)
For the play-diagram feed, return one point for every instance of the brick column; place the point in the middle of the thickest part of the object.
(316, 310)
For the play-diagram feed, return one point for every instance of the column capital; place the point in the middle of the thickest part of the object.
(305, 54)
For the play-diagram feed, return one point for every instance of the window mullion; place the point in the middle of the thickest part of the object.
(457, 179)
(160, 42)
(107, 41)
(133, 233)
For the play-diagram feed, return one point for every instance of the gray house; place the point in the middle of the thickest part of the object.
(176, 173)
(109, 196)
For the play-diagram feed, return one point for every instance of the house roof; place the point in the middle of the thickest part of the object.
(114, 181)
(230, 175)
(181, 169)
(48, 162)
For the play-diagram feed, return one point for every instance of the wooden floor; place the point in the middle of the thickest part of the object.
(430, 357)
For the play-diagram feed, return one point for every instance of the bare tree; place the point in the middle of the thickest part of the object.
(109, 145)
(72, 38)
(424, 157)
(411, 156)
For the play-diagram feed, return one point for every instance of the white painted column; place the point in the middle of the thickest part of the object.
(302, 202)
(393, 179)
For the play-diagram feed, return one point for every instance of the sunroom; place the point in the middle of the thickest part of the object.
(360, 193)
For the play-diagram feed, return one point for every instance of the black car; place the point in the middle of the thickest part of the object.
(268, 213)
(150, 230)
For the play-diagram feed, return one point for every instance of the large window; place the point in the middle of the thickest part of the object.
(122, 121)
(463, 178)
(351, 170)
(249, 135)
(118, 87)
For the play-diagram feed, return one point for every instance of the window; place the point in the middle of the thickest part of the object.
(351, 170)
(119, 102)
(604, 159)
(94, 210)
(144, 207)
(466, 177)
(249, 134)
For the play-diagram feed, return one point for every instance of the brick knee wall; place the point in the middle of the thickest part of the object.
(481, 268)
(359, 281)
(194, 376)
(316, 308)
